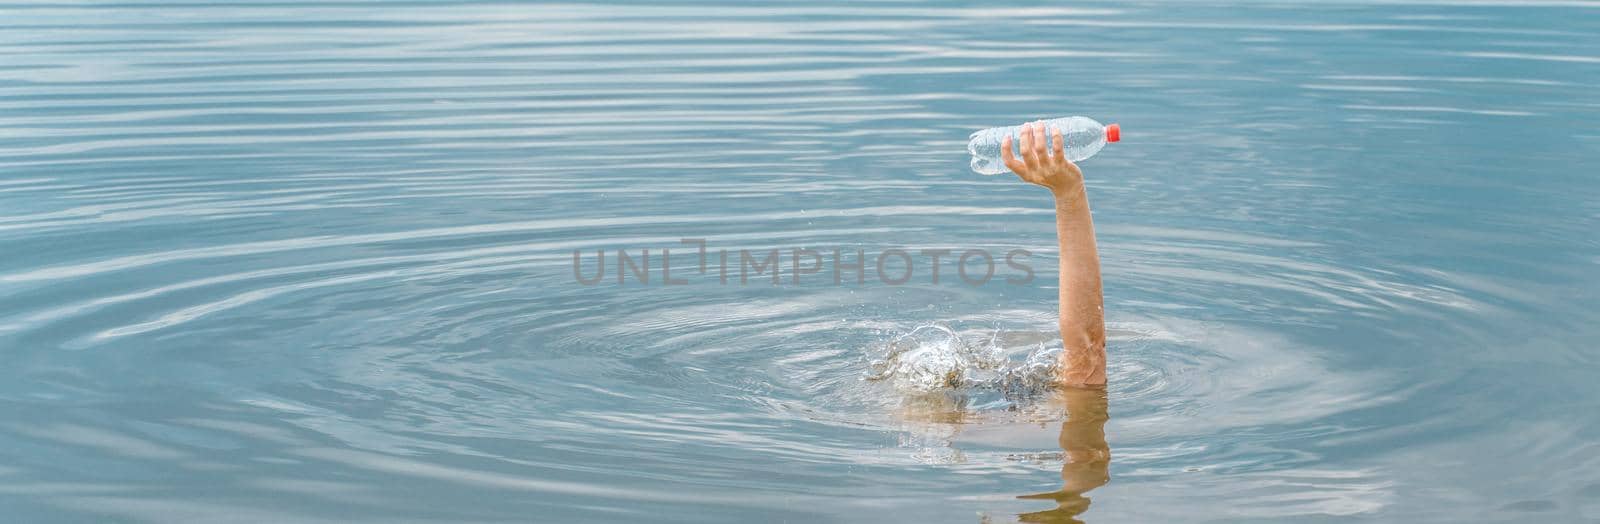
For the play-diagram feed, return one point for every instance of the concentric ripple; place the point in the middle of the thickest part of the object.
(325, 262)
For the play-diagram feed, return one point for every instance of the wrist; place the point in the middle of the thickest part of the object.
(1068, 191)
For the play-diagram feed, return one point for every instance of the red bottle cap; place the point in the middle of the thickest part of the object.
(1113, 132)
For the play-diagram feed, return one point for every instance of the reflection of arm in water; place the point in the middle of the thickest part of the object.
(1085, 456)
(1083, 331)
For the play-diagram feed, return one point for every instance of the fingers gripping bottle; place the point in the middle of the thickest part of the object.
(1082, 137)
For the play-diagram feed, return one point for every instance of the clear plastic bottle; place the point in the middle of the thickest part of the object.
(1083, 138)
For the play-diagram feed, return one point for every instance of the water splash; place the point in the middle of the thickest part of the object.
(934, 360)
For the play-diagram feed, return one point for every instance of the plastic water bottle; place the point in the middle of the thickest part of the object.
(1083, 138)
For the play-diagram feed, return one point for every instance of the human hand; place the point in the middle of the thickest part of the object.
(1042, 164)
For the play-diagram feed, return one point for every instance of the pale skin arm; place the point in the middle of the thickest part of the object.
(1083, 330)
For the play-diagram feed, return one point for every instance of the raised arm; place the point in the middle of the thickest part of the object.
(1083, 330)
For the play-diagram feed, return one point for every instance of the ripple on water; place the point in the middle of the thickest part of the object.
(319, 253)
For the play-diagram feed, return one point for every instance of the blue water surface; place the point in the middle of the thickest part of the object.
(293, 261)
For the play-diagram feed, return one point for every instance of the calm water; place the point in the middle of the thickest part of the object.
(312, 262)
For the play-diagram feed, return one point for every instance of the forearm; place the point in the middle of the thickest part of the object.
(1083, 332)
